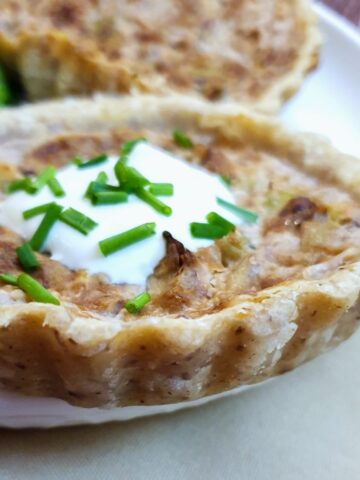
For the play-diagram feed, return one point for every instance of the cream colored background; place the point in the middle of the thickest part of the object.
(304, 425)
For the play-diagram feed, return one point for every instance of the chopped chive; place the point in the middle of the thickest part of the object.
(117, 242)
(77, 160)
(109, 198)
(137, 303)
(225, 180)
(43, 178)
(21, 184)
(246, 215)
(162, 189)
(5, 94)
(153, 201)
(26, 257)
(52, 214)
(33, 212)
(8, 278)
(181, 139)
(95, 187)
(92, 188)
(102, 178)
(35, 290)
(56, 188)
(128, 147)
(215, 219)
(78, 221)
(92, 162)
(16, 185)
(205, 230)
(130, 179)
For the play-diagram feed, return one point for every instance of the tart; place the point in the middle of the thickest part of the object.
(254, 51)
(280, 289)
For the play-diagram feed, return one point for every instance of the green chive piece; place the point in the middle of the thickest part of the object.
(5, 94)
(215, 219)
(154, 202)
(205, 230)
(162, 189)
(109, 198)
(77, 160)
(225, 180)
(130, 179)
(33, 212)
(128, 147)
(102, 178)
(44, 177)
(8, 278)
(181, 139)
(26, 257)
(137, 303)
(78, 221)
(92, 162)
(51, 216)
(122, 240)
(246, 215)
(21, 184)
(95, 187)
(35, 290)
(56, 188)
(16, 185)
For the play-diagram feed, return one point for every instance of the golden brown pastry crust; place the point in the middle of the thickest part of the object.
(96, 359)
(255, 51)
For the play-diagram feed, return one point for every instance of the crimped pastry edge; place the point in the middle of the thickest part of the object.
(115, 361)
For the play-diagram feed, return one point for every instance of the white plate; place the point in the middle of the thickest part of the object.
(328, 104)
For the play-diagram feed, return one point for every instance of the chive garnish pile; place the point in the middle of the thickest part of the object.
(130, 182)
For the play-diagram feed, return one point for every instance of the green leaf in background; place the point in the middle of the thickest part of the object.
(5, 95)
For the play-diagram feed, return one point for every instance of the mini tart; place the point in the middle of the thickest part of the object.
(255, 304)
(253, 51)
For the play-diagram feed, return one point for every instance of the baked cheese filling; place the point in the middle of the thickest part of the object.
(113, 216)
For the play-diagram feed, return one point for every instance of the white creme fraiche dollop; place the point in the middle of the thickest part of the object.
(195, 192)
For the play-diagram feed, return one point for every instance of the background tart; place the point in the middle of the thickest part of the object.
(251, 51)
(255, 304)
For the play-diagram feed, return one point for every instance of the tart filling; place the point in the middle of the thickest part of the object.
(276, 223)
